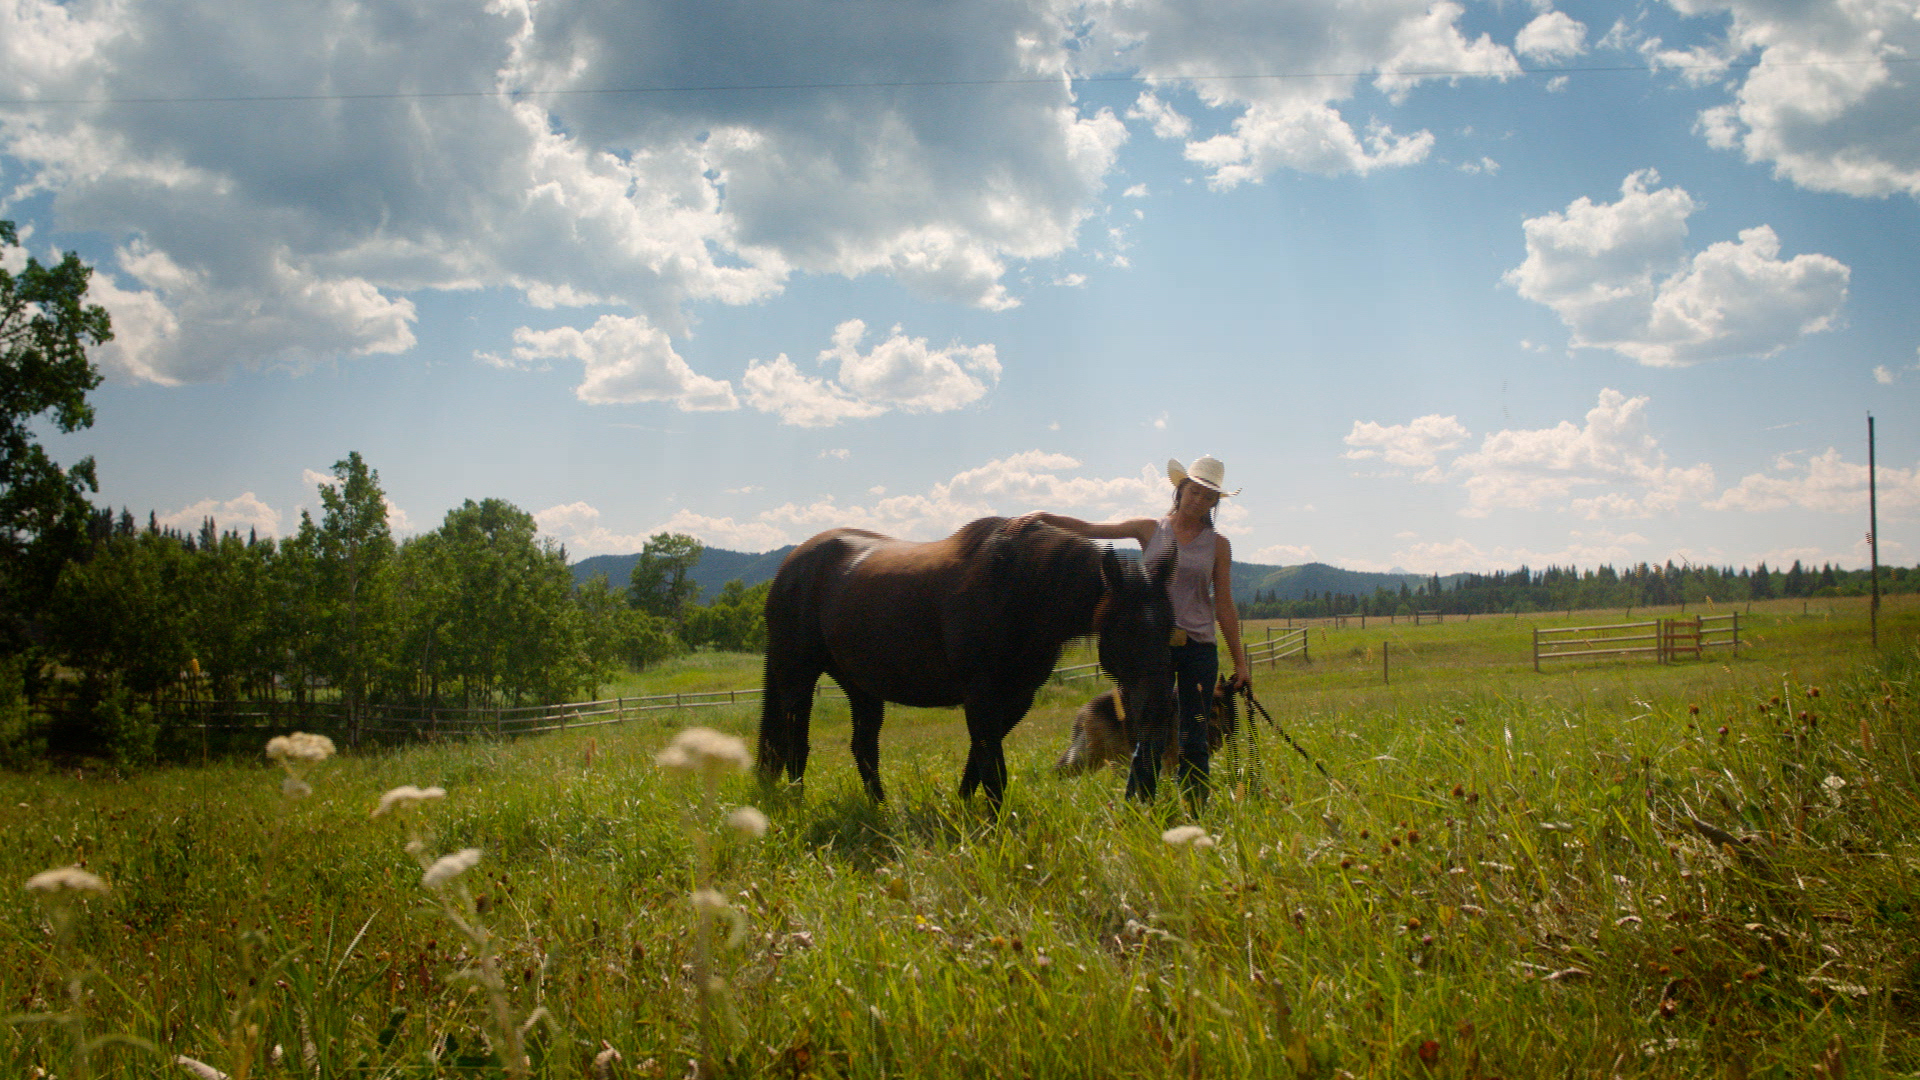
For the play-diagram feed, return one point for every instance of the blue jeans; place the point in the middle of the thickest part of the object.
(1196, 667)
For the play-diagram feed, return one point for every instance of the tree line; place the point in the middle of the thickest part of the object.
(1562, 588)
(480, 611)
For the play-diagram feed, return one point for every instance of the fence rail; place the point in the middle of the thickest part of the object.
(1664, 639)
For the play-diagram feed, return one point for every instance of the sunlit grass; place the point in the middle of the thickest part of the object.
(1572, 873)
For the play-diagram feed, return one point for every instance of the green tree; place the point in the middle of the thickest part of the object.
(353, 552)
(46, 328)
(735, 622)
(662, 582)
(511, 628)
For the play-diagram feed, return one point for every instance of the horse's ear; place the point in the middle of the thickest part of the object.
(1113, 569)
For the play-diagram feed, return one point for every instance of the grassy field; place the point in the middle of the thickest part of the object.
(1703, 868)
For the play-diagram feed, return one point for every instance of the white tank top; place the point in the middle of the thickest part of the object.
(1192, 587)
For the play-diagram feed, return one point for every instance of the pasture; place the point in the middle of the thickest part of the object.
(1704, 868)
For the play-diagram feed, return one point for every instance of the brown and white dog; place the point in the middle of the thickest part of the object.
(1100, 734)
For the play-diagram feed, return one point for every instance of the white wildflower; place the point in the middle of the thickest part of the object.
(66, 879)
(295, 788)
(748, 821)
(199, 1068)
(1834, 784)
(300, 746)
(407, 795)
(448, 867)
(704, 752)
(1187, 834)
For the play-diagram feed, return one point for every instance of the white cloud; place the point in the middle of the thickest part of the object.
(1619, 277)
(627, 361)
(239, 514)
(1166, 122)
(1883, 375)
(1029, 480)
(1291, 123)
(1612, 461)
(1823, 102)
(1407, 446)
(296, 230)
(903, 373)
(899, 373)
(1284, 555)
(1465, 556)
(1826, 484)
(1552, 35)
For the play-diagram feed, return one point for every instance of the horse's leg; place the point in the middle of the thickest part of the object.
(868, 712)
(990, 716)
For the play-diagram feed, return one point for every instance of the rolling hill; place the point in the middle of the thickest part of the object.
(718, 566)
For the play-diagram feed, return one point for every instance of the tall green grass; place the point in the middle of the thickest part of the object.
(1572, 873)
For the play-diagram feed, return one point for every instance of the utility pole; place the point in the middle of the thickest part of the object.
(1873, 538)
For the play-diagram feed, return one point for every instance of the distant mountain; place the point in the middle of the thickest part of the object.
(1295, 582)
(718, 566)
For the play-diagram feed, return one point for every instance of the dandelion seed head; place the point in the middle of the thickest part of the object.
(748, 822)
(448, 867)
(299, 746)
(407, 795)
(66, 879)
(1187, 834)
(704, 752)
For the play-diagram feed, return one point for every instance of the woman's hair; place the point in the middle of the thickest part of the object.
(1182, 486)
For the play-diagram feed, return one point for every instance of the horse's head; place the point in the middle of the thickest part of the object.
(1135, 624)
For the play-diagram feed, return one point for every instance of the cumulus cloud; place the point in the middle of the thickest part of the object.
(241, 513)
(1619, 277)
(1612, 462)
(1292, 123)
(626, 361)
(387, 151)
(1552, 35)
(1415, 445)
(899, 373)
(1004, 486)
(1825, 483)
(1822, 102)
(1465, 556)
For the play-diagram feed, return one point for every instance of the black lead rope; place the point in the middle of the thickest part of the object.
(1254, 704)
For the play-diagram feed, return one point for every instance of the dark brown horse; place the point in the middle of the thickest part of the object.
(976, 620)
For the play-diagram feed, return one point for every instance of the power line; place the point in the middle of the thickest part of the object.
(907, 84)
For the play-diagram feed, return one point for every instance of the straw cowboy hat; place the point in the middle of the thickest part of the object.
(1208, 472)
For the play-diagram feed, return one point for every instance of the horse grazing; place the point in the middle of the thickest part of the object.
(977, 620)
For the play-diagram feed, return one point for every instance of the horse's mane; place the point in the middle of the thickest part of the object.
(1027, 568)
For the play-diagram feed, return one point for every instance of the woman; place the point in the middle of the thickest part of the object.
(1202, 590)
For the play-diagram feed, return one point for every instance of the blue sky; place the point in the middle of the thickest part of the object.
(1448, 286)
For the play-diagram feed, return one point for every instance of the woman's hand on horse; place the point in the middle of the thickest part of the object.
(1015, 526)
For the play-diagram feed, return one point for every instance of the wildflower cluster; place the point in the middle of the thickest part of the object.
(703, 756)
(295, 753)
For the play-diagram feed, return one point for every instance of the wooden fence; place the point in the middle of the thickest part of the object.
(1663, 639)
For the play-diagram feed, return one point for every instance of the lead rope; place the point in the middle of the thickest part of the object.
(1254, 704)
